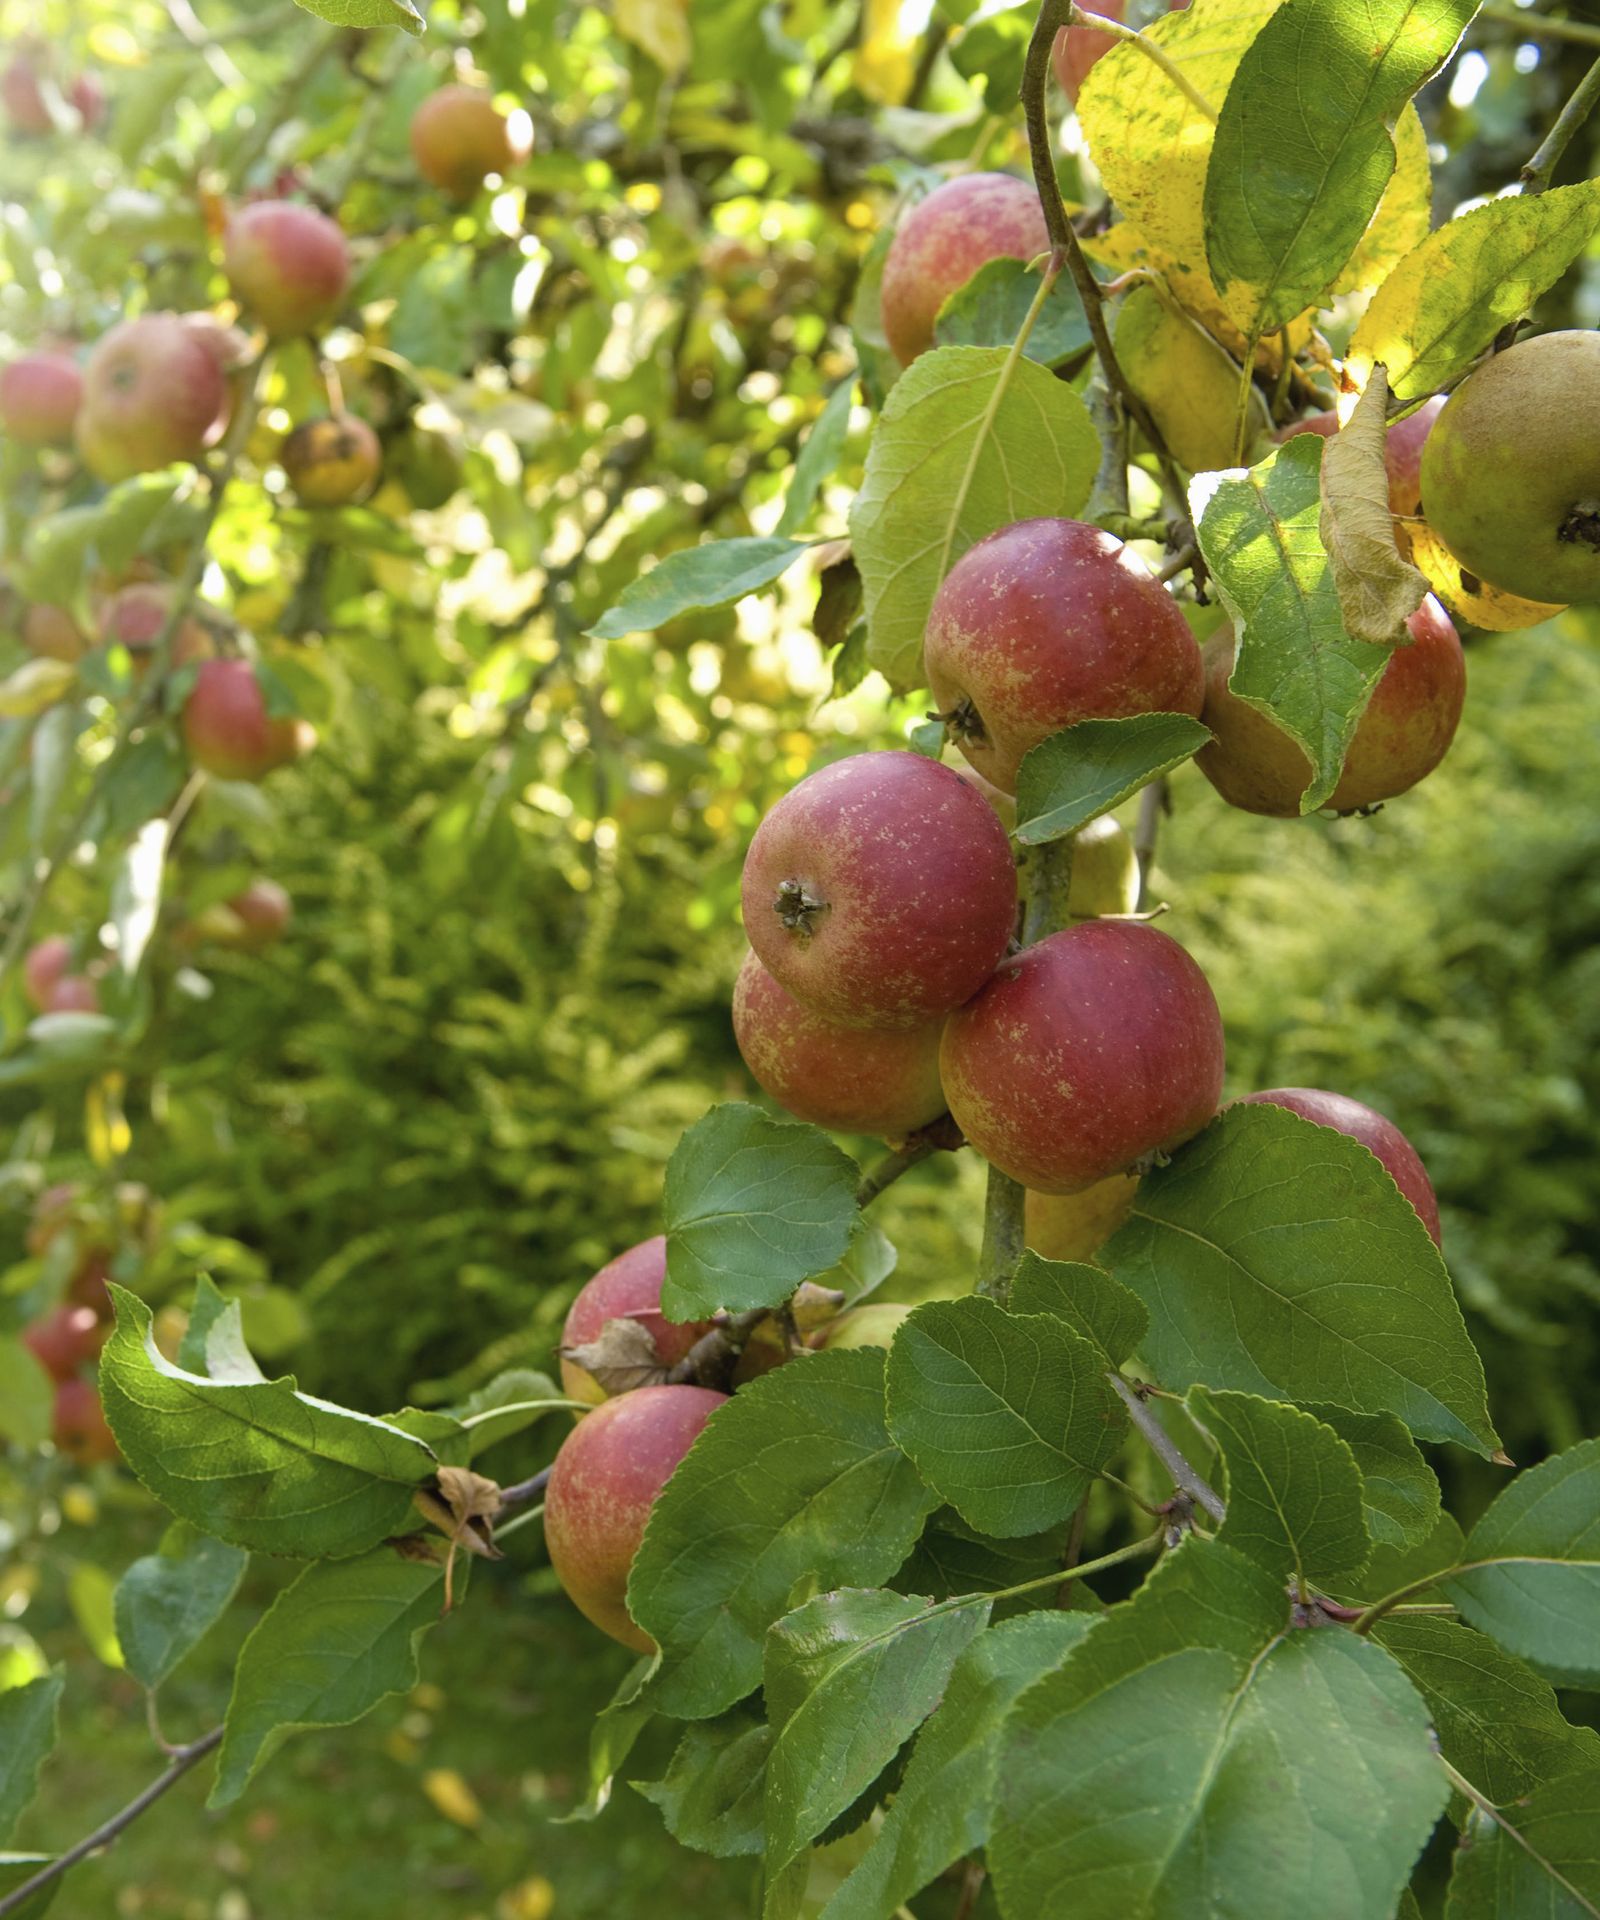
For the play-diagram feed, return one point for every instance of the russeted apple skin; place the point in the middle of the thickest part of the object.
(1100, 1045)
(1377, 1133)
(883, 1081)
(226, 726)
(627, 1288)
(47, 963)
(606, 1479)
(914, 886)
(459, 137)
(1404, 733)
(332, 462)
(40, 394)
(1046, 623)
(153, 392)
(1075, 1226)
(1402, 451)
(943, 241)
(288, 265)
(1511, 471)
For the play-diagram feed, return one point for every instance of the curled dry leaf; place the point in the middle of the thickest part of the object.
(814, 1306)
(463, 1510)
(621, 1357)
(1378, 589)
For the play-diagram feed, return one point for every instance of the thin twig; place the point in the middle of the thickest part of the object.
(1152, 804)
(1166, 1450)
(524, 1491)
(883, 1175)
(1539, 26)
(1536, 175)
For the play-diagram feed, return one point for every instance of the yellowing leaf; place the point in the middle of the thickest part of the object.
(1465, 596)
(659, 28)
(1378, 590)
(1404, 213)
(35, 685)
(532, 1899)
(884, 62)
(452, 1796)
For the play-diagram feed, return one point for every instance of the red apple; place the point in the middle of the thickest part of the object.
(227, 728)
(52, 634)
(1075, 1226)
(152, 393)
(883, 1081)
(263, 911)
(459, 137)
(1403, 735)
(1402, 451)
(65, 1339)
(1085, 1055)
(943, 241)
(40, 394)
(73, 993)
(79, 1426)
(135, 617)
(606, 1478)
(627, 1288)
(332, 462)
(287, 264)
(1380, 1136)
(881, 891)
(1076, 49)
(1046, 623)
(47, 963)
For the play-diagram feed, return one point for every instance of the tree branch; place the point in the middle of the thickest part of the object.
(524, 1492)
(1536, 175)
(1166, 1450)
(1539, 26)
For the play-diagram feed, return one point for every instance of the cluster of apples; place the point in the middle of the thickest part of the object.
(39, 100)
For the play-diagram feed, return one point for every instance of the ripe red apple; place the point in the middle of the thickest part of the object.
(627, 1288)
(135, 617)
(1046, 623)
(287, 264)
(1380, 1136)
(1085, 1055)
(332, 462)
(459, 137)
(1402, 451)
(1075, 1226)
(1403, 735)
(227, 728)
(65, 1339)
(47, 963)
(22, 93)
(79, 1425)
(884, 1082)
(943, 241)
(1076, 49)
(263, 910)
(52, 634)
(881, 891)
(152, 393)
(605, 1480)
(40, 394)
(73, 993)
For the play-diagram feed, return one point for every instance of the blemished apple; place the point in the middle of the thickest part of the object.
(883, 1081)
(943, 241)
(1511, 471)
(46, 964)
(78, 1425)
(881, 891)
(228, 730)
(1085, 1056)
(1402, 736)
(152, 393)
(332, 462)
(51, 633)
(1075, 1226)
(66, 1339)
(1046, 623)
(606, 1478)
(1378, 1134)
(40, 394)
(627, 1288)
(288, 265)
(459, 137)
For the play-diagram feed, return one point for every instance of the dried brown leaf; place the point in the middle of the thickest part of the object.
(1378, 588)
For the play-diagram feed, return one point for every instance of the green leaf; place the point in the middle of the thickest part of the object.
(367, 13)
(1087, 1298)
(1086, 770)
(60, 546)
(711, 1795)
(990, 53)
(329, 1648)
(1497, 1721)
(819, 456)
(1533, 1861)
(879, 367)
(1304, 146)
(942, 1811)
(752, 1206)
(26, 1397)
(1259, 534)
(1293, 1488)
(1008, 1417)
(1399, 1490)
(849, 1677)
(612, 1738)
(1392, 1568)
(16, 1870)
(256, 1463)
(1278, 1258)
(1449, 297)
(1532, 1564)
(90, 1595)
(167, 1602)
(952, 1558)
(209, 1306)
(714, 575)
(27, 1737)
(795, 1480)
(988, 311)
(1181, 1755)
(967, 443)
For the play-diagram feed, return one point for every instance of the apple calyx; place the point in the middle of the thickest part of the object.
(798, 909)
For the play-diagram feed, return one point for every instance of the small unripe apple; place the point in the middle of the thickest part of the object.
(136, 617)
(881, 891)
(874, 1325)
(152, 393)
(459, 137)
(1379, 1135)
(1402, 451)
(943, 241)
(1085, 1055)
(606, 1478)
(51, 633)
(78, 1426)
(263, 910)
(227, 729)
(1105, 870)
(66, 1338)
(1046, 623)
(883, 1081)
(332, 462)
(1075, 1226)
(1402, 736)
(73, 993)
(47, 963)
(429, 463)
(288, 265)
(1076, 49)
(40, 394)
(627, 1288)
